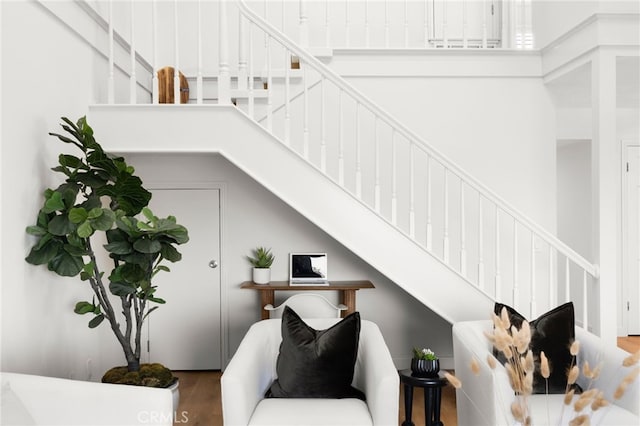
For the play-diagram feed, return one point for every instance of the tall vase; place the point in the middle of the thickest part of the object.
(425, 367)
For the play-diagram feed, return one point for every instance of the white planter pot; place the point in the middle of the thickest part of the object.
(261, 275)
(175, 394)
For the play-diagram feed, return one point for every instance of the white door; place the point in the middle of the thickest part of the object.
(631, 236)
(185, 333)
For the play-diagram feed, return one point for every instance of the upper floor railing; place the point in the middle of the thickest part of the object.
(358, 145)
(401, 24)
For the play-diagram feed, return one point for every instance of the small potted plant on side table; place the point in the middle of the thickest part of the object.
(424, 363)
(262, 260)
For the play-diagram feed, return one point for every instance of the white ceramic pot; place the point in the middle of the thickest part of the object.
(261, 275)
(175, 394)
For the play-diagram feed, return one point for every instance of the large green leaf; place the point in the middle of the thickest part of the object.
(71, 161)
(170, 253)
(69, 196)
(76, 241)
(100, 161)
(121, 289)
(85, 230)
(147, 245)
(138, 258)
(96, 321)
(103, 222)
(43, 219)
(42, 255)
(132, 273)
(38, 231)
(44, 240)
(160, 268)
(127, 193)
(53, 203)
(148, 214)
(119, 247)
(88, 271)
(179, 233)
(78, 215)
(82, 308)
(91, 178)
(67, 140)
(65, 264)
(75, 251)
(61, 225)
(96, 213)
(91, 202)
(128, 225)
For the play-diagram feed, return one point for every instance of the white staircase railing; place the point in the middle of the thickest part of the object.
(392, 170)
(387, 167)
(401, 24)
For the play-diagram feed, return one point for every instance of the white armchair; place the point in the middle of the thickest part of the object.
(39, 400)
(253, 369)
(308, 305)
(484, 399)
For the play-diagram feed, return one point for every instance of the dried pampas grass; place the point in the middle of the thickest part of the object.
(568, 397)
(544, 366)
(521, 365)
(581, 420)
(599, 402)
(574, 349)
(632, 359)
(573, 374)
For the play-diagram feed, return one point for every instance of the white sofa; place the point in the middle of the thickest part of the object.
(39, 400)
(253, 369)
(484, 399)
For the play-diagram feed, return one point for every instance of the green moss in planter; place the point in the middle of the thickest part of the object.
(151, 375)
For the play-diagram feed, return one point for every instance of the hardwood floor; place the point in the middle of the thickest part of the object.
(630, 344)
(200, 401)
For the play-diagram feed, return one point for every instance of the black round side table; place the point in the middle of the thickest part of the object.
(432, 396)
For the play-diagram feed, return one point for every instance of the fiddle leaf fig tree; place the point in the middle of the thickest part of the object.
(101, 195)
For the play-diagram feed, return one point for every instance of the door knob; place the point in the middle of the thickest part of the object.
(213, 264)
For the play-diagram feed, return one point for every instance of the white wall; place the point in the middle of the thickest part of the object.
(253, 216)
(491, 127)
(44, 78)
(574, 195)
(576, 123)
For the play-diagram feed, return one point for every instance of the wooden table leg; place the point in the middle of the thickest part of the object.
(349, 300)
(266, 297)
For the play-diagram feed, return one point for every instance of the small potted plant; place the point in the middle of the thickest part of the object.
(424, 363)
(262, 260)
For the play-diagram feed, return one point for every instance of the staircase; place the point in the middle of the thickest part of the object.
(386, 194)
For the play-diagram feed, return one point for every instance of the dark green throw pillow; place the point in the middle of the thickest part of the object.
(552, 332)
(316, 363)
